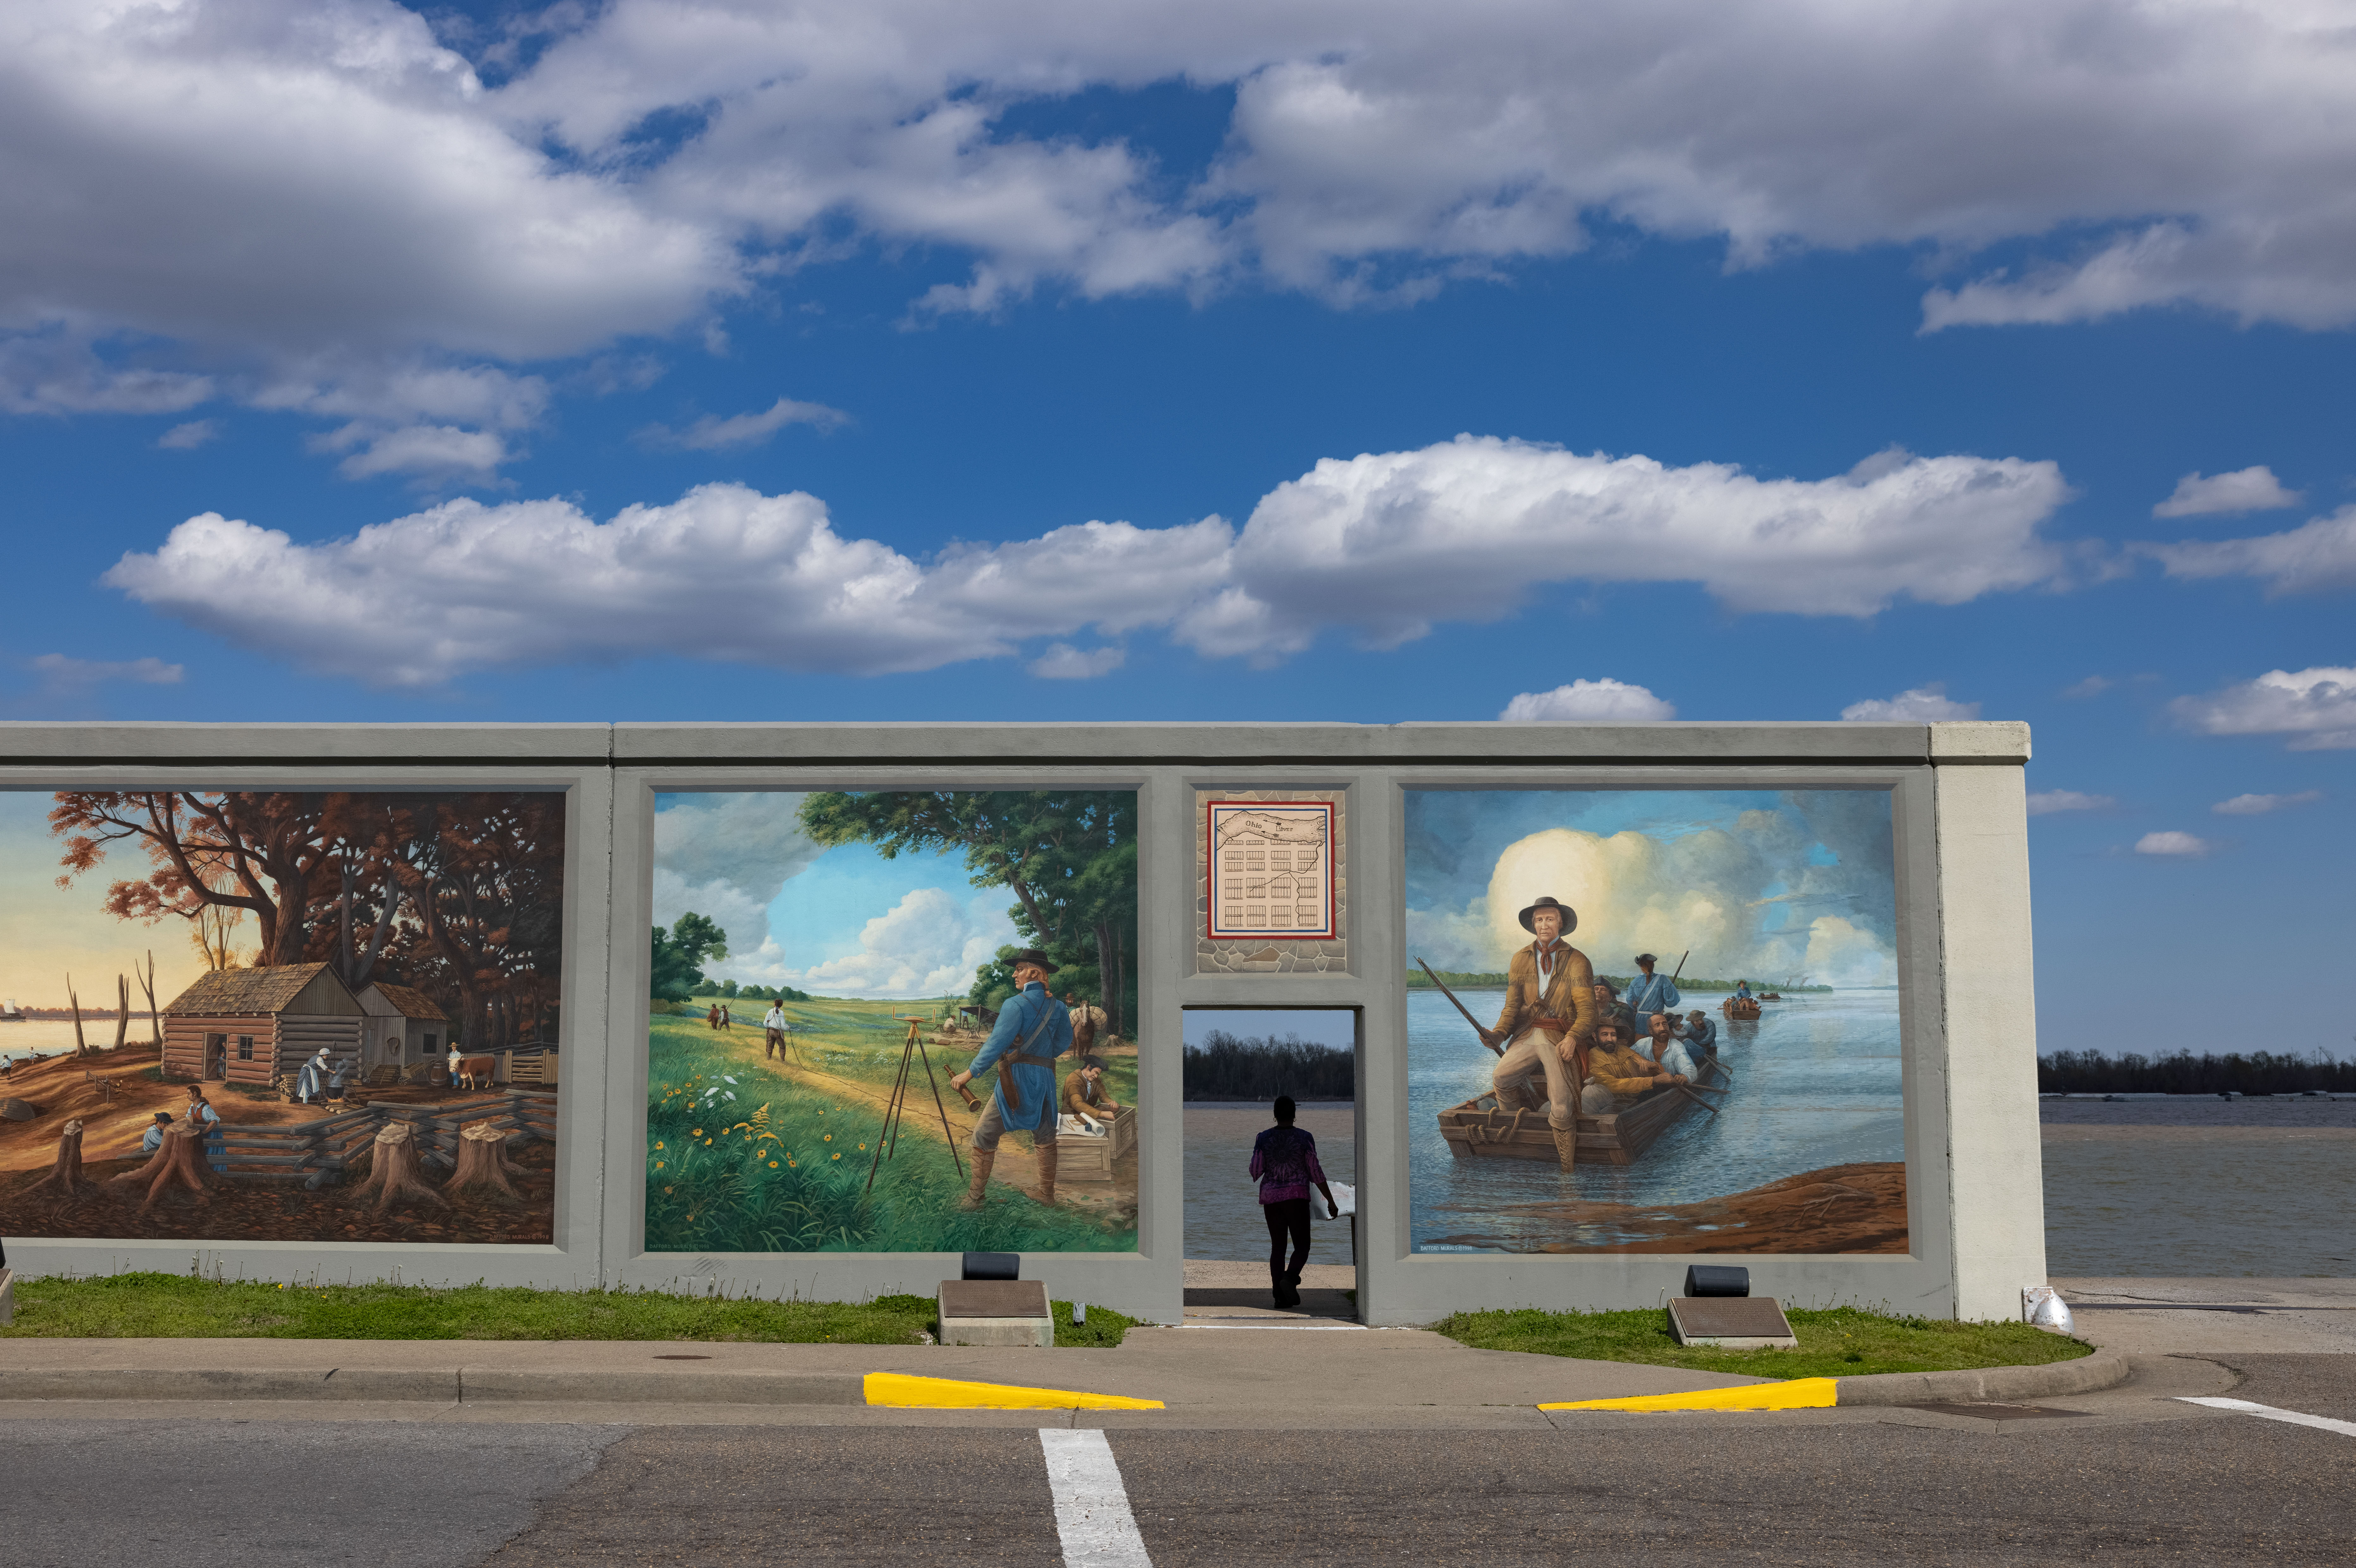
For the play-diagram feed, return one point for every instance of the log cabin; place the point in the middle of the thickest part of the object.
(405, 1026)
(247, 1026)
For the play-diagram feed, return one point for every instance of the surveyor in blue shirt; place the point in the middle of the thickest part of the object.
(1032, 1030)
(1651, 992)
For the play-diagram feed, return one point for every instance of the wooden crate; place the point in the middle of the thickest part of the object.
(1081, 1158)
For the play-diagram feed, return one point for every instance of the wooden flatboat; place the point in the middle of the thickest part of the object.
(1478, 1130)
(1739, 1007)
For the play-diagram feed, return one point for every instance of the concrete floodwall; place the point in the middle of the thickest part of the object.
(1874, 1142)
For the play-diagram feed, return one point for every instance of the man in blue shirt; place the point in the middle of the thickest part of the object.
(1032, 1030)
(1700, 1034)
(1651, 992)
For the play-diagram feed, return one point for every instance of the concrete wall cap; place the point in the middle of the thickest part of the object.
(1980, 740)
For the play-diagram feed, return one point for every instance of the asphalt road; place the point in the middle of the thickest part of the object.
(2138, 1478)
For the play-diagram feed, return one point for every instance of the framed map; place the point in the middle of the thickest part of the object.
(1271, 870)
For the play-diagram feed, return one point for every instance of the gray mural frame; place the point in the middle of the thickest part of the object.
(567, 758)
(1959, 814)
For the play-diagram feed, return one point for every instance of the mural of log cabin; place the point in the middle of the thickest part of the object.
(247, 1026)
(405, 1026)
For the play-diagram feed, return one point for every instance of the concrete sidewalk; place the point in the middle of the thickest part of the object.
(1240, 1378)
(2161, 1317)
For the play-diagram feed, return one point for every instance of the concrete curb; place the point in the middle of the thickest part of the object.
(484, 1385)
(2086, 1375)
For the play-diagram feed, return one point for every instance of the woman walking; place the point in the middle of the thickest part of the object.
(1284, 1158)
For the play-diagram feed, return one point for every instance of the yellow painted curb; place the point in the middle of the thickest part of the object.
(949, 1394)
(1799, 1393)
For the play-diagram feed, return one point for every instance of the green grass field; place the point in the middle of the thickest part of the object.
(182, 1307)
(743, 1158)
(1841, 1342)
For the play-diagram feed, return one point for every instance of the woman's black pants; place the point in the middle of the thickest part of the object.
(1288, 1218)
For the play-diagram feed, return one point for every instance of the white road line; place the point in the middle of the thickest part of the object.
(1091, 1505)
(2296, 1418)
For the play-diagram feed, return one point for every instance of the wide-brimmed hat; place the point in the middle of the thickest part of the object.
(1547, 901)
(1033, 957)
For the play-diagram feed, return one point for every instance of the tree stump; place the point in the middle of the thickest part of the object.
(178, 1159)
(393, 1171)
(483, 1162)
(65, 1181)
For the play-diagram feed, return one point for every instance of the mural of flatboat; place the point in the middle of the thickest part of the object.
(1739, 1007)
(1478, 1130)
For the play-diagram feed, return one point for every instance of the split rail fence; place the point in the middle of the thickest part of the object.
(317, 1154)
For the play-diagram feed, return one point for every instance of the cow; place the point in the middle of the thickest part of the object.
(474, 1072)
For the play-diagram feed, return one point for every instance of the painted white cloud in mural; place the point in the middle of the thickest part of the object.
(930, 943)
(726, 857)
(1744, 900)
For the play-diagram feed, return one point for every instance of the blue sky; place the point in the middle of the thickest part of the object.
(480, 284)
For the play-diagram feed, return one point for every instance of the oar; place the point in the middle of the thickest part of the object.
(1687, 1091)
(1478, 1032)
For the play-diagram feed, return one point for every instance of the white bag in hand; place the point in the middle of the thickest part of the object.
(1345, 1198)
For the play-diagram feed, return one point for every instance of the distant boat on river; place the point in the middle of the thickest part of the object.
(10, 1013)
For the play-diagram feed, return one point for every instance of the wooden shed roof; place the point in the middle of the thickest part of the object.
(409, 1002)
(231, 992)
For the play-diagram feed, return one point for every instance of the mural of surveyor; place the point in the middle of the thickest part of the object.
(280, 975)
(925, 985)
(1588, 1070)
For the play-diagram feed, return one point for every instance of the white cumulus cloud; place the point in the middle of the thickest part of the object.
(2316, 707)
(1383, 547)
(62, 672)
(261, 183)
(1920, 704)
(2244, 489)
(2317, 557)
(1063, 663)
(187, 437)
(1589, 700)
(2183, 845)
(713, 434)
(2044, 802)
(2259, 805)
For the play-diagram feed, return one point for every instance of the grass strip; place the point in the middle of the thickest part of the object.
(1838, 1342)
(181, 1307)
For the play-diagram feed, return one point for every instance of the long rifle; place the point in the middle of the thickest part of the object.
(1478, 1032)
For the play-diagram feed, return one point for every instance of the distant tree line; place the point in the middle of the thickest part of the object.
(2260, 1072)
(676, 971)
(1227, 1067)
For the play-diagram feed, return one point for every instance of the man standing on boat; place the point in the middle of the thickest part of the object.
(1650, 994)
(1547, 1019)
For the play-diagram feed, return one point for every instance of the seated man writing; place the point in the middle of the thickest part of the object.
(1617, 1077)
(1085, 1094)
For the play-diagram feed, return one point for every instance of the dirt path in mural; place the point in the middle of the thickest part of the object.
(1841, 1208)
(59, 1088)
(1017, 1167)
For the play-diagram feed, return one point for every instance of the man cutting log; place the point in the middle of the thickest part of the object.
(1549, 1018)
(1032, 1030)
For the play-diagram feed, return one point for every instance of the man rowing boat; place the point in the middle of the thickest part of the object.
(1548, 1017)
